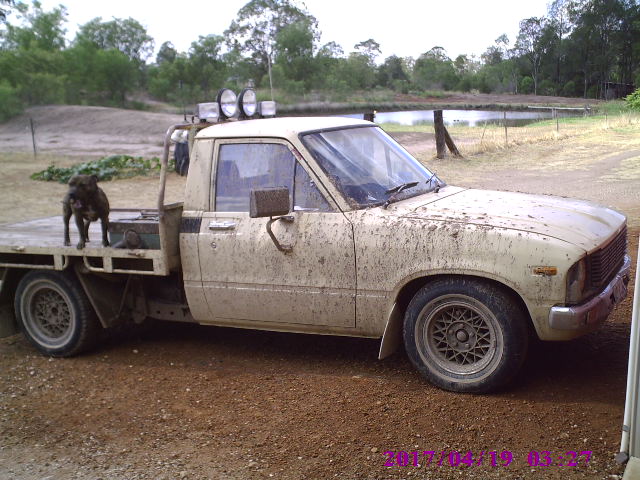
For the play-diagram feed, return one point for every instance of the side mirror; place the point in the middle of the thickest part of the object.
(269, 202)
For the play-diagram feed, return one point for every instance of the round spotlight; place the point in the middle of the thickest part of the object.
(248, 103)
(228, 102)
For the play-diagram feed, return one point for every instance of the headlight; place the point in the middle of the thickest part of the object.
(248, 103)
(576, 282)
(228, 102)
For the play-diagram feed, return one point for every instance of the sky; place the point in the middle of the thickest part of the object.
(401, 27)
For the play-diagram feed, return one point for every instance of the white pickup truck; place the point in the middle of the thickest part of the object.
(328, 226)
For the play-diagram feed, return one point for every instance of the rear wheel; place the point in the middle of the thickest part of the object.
(55, 314)
(465, 335)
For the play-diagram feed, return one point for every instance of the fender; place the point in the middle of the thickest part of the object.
(392, 336)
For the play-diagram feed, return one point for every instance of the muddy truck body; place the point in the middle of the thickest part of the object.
(328, 226)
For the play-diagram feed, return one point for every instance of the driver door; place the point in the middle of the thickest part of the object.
(244, 275)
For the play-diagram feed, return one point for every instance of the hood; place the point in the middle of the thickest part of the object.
(584, 224)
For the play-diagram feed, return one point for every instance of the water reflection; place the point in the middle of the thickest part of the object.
(470, 118)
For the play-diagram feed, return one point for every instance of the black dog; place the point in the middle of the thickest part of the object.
(88, 203)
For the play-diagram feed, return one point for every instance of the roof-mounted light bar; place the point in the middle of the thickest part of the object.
(268, 109)
(228, 103)
(228, 106)
(248, 102)
(208, 112)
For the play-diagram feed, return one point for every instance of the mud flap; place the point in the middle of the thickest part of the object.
(392, 337)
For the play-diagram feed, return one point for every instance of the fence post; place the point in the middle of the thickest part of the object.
(506, 136)
(438, 124)
(451, 144)
(33, 138)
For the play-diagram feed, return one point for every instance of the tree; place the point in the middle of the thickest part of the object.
(392, 72)
(604, 42)
(331, 50)
(434, 70)
(354, 72)
(560, 18)
(206, 67)
(31, 58)
(255, 30)
(171, 81)
(294, 51)
(497, 52)
(115, 73)
(370, 49)
(167, 53)
(10, 104)
(128, 36)
(327, 62)
(532, 44)
(5, 6)
(42, 30)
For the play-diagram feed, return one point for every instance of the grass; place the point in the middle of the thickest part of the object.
(488, 138)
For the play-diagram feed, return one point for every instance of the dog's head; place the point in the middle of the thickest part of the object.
(82, 187)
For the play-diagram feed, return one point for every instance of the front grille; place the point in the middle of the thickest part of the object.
(604, 264)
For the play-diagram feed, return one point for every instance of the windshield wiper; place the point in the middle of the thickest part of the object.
(430, 180)
(395, 191)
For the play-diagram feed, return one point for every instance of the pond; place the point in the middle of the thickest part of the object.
(470, 118)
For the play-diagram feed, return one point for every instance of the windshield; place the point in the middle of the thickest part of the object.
(368, 166)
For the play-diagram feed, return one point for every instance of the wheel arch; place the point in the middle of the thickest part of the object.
(392, 336)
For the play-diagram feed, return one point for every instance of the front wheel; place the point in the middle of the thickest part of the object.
(465, 335)
(54, 313)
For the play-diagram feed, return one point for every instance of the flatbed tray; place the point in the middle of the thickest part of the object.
(39, 244)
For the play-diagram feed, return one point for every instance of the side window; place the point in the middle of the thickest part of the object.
(244, 166)
(307, 197)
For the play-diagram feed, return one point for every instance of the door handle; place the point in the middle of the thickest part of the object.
(222, 225)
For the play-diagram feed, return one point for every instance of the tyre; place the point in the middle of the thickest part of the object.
(465, 335)
(54, 313)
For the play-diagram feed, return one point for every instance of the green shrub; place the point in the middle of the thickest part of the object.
(546, 87)
(401, 86)
(526, 85)
(43, 88)
(10, 104)
(569, 89)
(107, 168)
(633, 100)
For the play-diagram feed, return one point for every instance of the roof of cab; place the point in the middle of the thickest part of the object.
(282, 127)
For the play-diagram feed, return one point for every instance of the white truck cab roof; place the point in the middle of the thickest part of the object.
(283, 127)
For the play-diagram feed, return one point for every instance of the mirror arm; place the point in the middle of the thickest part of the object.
(279, 246)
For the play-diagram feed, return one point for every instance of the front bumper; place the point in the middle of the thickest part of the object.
(594, 312)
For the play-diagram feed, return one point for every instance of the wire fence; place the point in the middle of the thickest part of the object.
(498, 136)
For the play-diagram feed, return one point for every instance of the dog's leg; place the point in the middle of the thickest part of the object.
(104, 223)
(66, 215)
(81, 231)
(86, 229)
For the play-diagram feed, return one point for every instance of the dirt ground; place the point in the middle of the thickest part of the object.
(170, 401)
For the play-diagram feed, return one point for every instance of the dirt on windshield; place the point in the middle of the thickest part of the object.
(171, 401)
